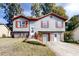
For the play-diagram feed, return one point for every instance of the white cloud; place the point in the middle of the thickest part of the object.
(72, 9)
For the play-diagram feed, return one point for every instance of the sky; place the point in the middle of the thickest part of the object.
(26, 9)
(70, 8)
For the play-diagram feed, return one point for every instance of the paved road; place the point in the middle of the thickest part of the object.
(64, 49)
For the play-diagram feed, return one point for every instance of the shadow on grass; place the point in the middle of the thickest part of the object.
(35, 43)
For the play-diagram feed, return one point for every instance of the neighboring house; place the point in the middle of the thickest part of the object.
(75, 33)
(74, 30)
(4, 31)
(52, 27)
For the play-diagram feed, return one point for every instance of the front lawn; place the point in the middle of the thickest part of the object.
(21, 48)
(16, 47)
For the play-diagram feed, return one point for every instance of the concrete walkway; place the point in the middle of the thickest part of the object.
(64, 49)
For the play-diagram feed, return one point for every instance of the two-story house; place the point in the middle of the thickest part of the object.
(52, 26)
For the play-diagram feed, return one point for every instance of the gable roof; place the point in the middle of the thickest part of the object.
(21, 16)
(38, 18)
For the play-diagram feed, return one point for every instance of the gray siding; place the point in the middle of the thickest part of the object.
(37, 25)
(62, 37)
(52, 25)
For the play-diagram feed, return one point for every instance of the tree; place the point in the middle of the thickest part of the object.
(46, 8)
(60, 11)
(39, 9)
(36, 9)
(10, 10)
(72, 23)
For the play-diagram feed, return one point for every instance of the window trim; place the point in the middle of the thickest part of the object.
(56, 23)
(16, 24)
(42, 25)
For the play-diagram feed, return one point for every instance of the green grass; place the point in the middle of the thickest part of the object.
(35, 43)
(22, 48)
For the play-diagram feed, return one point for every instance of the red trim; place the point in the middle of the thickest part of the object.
(17, 24)
(30, 19)
(36, 19)
(48, 36)
(26, 24)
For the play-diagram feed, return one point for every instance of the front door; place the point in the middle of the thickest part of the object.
(45, 38)
(54, 37)
(32, 31)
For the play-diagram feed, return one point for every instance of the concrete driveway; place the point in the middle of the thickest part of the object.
(64, 49)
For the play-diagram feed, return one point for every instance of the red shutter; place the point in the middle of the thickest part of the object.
(16, 24)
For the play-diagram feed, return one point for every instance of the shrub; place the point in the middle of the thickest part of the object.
(77, 41)
(40, 33)
(35, 43)
(68, 36)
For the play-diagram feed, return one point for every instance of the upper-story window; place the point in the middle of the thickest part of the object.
(44, 24)
(21, 24)
(59, 24)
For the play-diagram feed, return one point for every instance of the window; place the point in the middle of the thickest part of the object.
(59, 24)
(21, 24)
(55, 35)
(44, 24)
